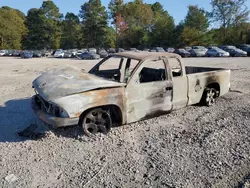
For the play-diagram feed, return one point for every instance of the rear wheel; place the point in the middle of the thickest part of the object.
(97, 120)
(209, 96)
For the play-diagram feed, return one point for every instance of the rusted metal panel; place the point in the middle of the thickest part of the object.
(78, 103)
(198, 81)
(144, 100)
(180, 85)
(72, 91)
(68, 81)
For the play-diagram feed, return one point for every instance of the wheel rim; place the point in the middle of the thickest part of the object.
(95, 121)
(211, 96)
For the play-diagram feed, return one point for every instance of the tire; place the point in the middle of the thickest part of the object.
(209, 97)
(95, 121)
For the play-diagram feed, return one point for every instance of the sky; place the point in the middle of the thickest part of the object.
(176, 8)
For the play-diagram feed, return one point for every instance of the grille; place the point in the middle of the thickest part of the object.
(47, 107)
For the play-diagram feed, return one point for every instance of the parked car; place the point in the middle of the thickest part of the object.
(245, 47)
(120, 50)
(132, 50)
(46, 53)
(89, 55)
(16, 53)
(170, 50)
(103, 53)
(146, 50)
(37, 53)
(111, 50)
(187, 48)
(74, 53)
(59, 53)
(157, 49)
(27, 54)
(104, 98)
(68, 54)
(216, 52)
(198, 51)
(233, 51)
(92, 50)
(79, 53)
(2, 52)
(199, 47)
(9, 53)
(237, 52)
(182, 52)
(226, 47)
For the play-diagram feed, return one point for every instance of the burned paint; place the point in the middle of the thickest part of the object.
(75, 92)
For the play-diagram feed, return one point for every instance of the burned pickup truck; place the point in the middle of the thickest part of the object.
(124, 88)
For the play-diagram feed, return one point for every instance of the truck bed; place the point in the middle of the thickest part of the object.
(198, 78)
(193, 70)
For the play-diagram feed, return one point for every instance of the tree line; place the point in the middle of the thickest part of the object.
(132, 24)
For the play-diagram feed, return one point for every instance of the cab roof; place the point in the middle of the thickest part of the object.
(144, 55)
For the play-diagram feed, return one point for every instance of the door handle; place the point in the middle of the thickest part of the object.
(169, 88)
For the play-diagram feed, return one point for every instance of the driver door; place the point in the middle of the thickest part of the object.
(149, 91)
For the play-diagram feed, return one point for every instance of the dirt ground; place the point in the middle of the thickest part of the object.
(192, 147)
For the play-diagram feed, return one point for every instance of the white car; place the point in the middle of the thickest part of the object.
(2, 52)
(59, 53)
(216, 52)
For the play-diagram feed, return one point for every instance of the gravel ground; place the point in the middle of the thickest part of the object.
(191, 147)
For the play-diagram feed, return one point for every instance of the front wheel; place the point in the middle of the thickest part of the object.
(209, 96)
(97, 120)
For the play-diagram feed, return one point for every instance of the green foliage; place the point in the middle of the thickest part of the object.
(50, 10)
(71, 30)
(232, 16)
(110, 39)
(196, 26)
(162, 30)
(94, 24)
(197, 18)
(12, 28)
(229, 12)
(37, 36)
(43, 25)
(191, 36)
(178, 31)
(115, 9)
(135, 24)
(138, 18)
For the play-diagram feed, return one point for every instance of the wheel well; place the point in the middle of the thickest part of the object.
(115, 112)
(214, 85)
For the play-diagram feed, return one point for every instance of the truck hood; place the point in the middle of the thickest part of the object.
(68, 81)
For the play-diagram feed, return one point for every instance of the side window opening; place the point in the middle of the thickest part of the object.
(152, 71)
(175, 67)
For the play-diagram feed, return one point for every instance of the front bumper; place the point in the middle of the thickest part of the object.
(50, 119)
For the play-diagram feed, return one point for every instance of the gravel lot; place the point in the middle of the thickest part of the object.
(192, 147)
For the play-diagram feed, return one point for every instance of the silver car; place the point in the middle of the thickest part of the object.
(89, 55)
(2, 52)
(216, 52)
(233, 51)
(198, 51)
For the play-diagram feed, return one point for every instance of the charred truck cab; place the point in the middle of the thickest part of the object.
(124, 88)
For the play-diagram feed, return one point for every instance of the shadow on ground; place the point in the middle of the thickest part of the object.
(16, 115)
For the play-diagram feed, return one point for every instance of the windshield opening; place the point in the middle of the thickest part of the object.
(115, 68)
